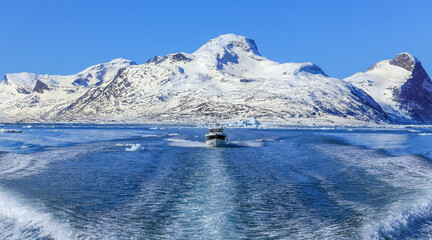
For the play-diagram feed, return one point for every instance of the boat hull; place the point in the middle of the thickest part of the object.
(216, 142)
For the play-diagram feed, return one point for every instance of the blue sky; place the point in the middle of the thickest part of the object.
(342, 37)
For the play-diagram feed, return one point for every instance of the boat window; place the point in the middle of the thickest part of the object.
(215, 130)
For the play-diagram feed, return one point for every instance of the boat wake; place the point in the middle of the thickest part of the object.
(198, 144)
(247, 143)
(404, 207)
(18, 165)
(131, 147)
(402, 221)
(185, 143)
(22, 220)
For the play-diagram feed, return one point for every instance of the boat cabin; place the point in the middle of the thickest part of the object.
(215, 130)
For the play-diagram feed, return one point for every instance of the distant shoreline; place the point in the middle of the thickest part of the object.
(262, 126)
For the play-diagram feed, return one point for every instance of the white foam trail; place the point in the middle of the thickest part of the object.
(410, 173)
(134, 147)
(18, 218)
(249, 143)
(203, 212)
(398, 218)
(65, 137)
(10, 131)
(185, 143)
(150, 135)
(413, 130)
(15, 165)
(425, 134)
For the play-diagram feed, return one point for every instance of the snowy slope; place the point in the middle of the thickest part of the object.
(401, 86)
(29, 97)
(225, 79)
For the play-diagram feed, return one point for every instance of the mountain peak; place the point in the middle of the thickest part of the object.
(115, 64)
(227, 42)
(122, 60)
(23, 79)
(405, 61)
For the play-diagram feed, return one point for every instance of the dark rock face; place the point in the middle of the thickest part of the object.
(248, 46)
(81, 81)
(416, 94)
(225, 59)
(244, 80)
(95, 96)
(253, 46)
(40, 87)
(178, 57)
(314, 69)
(156, 59)
(23, 90)
(404, 61)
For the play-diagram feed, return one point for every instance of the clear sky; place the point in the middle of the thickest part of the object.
(342, 37)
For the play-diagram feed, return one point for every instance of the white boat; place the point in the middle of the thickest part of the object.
(216, 137)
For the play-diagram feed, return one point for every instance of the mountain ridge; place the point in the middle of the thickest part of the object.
(401, 86)
(225, 79)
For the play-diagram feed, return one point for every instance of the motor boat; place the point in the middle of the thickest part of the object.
(216, 137)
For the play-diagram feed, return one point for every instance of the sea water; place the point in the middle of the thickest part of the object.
(142, 182)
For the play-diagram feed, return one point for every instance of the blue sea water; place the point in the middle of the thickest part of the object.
(137, 182)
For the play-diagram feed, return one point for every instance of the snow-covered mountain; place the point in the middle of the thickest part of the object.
(401, 86)
(29, 97)
(226, 79)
